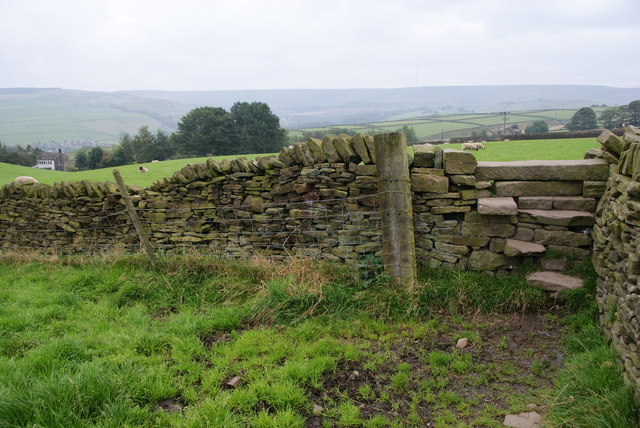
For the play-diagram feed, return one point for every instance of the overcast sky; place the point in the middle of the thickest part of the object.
(112, 45)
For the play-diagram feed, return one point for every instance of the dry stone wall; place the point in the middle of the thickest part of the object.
(318, 198)
(616, 251)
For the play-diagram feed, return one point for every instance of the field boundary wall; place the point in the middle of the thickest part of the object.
(320, 199)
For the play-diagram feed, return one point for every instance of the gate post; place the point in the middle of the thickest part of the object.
(396, 211)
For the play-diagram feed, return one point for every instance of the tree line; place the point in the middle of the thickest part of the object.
(19, 156)
(204, 131)
(611, 118)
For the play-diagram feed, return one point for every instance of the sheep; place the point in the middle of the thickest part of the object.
(25, 179)
(469, 146)
(479, 146)
(142, 170)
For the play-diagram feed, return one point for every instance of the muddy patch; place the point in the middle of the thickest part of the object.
(423, 378)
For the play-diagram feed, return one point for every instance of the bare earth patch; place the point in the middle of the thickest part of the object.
(424, 379)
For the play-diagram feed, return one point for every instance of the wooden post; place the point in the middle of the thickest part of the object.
(394, 186)
(134, 216)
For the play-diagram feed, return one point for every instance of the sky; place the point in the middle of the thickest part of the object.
(110, 45)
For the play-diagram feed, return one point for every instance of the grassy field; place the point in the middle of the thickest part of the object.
(58, 115)
(573, 148)
(569, 148)
(453, 125)
(197, 342)
(130, 174)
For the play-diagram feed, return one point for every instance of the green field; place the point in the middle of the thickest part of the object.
(563, 149)
(44, 115)
(573, 148)
(130, 174)
(194, 341)
(455, 125)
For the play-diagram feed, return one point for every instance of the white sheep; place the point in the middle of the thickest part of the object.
(479, 146)
(142, 170)
(25, 179)
(469, 146)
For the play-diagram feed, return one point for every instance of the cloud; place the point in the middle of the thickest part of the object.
(197, 44)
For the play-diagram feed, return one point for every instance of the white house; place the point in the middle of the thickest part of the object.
(46, 164)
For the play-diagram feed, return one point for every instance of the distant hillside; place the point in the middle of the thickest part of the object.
(299, 108)
(29, 115)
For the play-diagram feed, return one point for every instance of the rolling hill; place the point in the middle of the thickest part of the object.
(30, 115)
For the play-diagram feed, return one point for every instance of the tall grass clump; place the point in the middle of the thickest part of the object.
(590, 391)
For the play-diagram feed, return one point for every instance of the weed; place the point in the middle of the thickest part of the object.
(366, 392)
(348, 414)
(399, 381)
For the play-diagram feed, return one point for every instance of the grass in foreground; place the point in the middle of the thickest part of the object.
(115, 342)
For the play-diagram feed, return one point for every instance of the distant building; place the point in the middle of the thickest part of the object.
(46, 164)
(54, 161)
(510, 131)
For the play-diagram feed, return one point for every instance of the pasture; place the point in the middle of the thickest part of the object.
(432, 127)
(194, 341)
(573, 148)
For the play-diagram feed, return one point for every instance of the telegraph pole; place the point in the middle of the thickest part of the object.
(504, 115)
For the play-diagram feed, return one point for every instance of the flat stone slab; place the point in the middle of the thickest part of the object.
(523, 420)
(513, 247)
(561, 237)
(459, 162)
(535, 202)
(544, 170)
(539, 188)
(574, 203)
(497, 206)
(557, 217)
(553, 281)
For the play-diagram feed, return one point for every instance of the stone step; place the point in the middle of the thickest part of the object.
(497, 206)
(539, 188)
(573, 203)
(544, 170)
(553, 281)
(514, 247)
(557, 217)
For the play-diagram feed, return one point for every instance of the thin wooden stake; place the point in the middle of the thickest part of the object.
(134, 215)
(394, 185)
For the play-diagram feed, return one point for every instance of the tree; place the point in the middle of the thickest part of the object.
(537, 126)
(206, 131)
(81, 159)
(19, 155)
(94, 157)
(258, 128)
(142, 144)
(634, 113)
(610, 118)
(584, 119)
(162, 146)
(410, 133)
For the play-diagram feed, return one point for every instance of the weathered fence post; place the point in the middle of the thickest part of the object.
(394, 186)
(134, 216)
